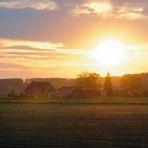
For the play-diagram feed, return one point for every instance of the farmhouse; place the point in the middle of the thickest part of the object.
(39, 89)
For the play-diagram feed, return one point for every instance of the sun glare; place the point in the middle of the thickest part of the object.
(109, 53)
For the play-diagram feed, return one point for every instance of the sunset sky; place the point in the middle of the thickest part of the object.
(61, 38)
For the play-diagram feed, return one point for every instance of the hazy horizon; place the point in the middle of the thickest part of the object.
(62, 38)
(102, 76)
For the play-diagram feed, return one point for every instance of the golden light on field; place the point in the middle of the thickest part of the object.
(109, 53)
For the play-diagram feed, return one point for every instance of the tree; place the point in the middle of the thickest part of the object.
(108, 85)
(131, 82)
(88, 80)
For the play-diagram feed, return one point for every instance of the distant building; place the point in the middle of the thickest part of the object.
(39, 89)
(76, 92)
(118, 91)
(103, 93)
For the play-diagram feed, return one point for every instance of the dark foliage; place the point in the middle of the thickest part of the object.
(108, 85)
(88, 80)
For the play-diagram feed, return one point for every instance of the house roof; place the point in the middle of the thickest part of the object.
(41, 85)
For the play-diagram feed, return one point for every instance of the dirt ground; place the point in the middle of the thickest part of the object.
(69, 126)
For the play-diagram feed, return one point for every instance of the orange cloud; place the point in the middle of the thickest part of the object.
(106, 9)
(33, 44)
(38, 54)
(44, 57)
(101, 8)
(34, 4)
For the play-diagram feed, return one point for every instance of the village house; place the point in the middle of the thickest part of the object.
(39, 89)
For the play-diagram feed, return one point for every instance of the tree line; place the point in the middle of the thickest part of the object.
(134, 83)
(91, 80)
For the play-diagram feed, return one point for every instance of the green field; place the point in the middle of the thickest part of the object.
(107, 100)
(69, 123)
(73, 125)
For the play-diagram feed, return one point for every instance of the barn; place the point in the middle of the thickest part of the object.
(39, 89)
(75, 92)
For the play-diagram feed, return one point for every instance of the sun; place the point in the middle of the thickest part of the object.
(109, 53)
